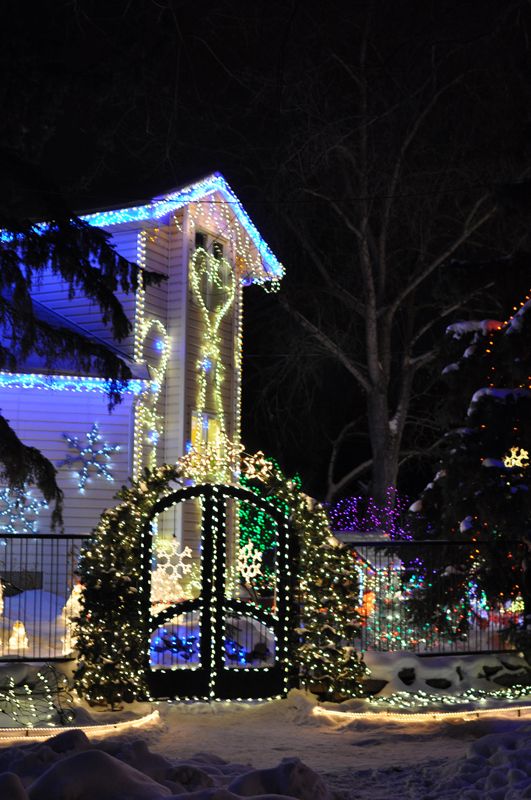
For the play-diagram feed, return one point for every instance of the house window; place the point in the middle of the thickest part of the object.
(200, 240)
(205, 430)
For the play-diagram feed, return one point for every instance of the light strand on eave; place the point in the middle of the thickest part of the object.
(189, 194)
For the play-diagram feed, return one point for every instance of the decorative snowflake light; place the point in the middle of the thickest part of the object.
(516, 457)
(19, 511)
(95, 455)
(166, 580)
(249, 562)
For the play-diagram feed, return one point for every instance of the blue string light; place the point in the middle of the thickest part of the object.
(65, 383)
(170, 203)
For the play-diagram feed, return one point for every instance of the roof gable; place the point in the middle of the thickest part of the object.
(263, 267)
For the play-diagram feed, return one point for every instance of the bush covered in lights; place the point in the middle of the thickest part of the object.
(112, 627)
(365, 515)
(327, 588)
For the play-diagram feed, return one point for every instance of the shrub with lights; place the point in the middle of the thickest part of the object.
(327, 589)
(112, 626)
(365, 515)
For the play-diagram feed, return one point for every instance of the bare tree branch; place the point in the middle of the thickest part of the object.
(327, 342)
(469, 229)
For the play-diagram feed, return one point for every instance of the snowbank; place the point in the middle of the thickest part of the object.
(70, 767)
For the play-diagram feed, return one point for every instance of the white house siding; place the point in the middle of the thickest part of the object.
(40, 417)
(176, 289)
(53, 293)
(155, 308)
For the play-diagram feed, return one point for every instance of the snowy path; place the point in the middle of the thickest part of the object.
(368, 759)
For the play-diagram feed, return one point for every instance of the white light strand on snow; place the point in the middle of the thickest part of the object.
(15, 734)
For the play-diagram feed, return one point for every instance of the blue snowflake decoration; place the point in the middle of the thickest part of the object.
(19, 511)
(95, 455)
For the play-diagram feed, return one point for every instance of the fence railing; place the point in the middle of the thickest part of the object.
(392, 578)
(38, 596)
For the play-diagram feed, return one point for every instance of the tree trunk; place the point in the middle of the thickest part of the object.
(384, 446)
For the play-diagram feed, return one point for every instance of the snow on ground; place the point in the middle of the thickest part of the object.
(288, 749)
(373, 758)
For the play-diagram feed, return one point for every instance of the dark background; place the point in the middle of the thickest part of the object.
(113, 102)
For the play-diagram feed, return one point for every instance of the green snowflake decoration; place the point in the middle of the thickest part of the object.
(94, 456)
(19, 511)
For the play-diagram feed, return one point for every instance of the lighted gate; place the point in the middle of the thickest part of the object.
(218, 610)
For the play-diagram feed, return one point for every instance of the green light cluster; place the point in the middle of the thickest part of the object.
(254, 523)
(412, 701)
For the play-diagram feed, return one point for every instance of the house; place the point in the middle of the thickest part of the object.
(185, 353)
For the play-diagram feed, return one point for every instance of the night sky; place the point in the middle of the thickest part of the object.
(105, 102)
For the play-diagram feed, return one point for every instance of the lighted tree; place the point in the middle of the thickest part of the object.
(327, 588)
(112, 630)
(482, 490)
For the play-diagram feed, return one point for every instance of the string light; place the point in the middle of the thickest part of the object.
(205, 271)
(516, 457)
(32, 732)
(19, 511)
(258, 264)
(92, 457)
(66, 383)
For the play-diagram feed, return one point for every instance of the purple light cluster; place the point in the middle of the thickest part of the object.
(364, 514)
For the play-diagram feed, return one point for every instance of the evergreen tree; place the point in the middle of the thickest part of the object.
(481, 492)
(84, 258)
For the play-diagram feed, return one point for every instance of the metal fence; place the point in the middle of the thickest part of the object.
(38, 596)
(392, 605)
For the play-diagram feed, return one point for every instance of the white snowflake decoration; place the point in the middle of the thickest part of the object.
(249, 562)
(19, 511)
(95, 455)
(166, 580)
